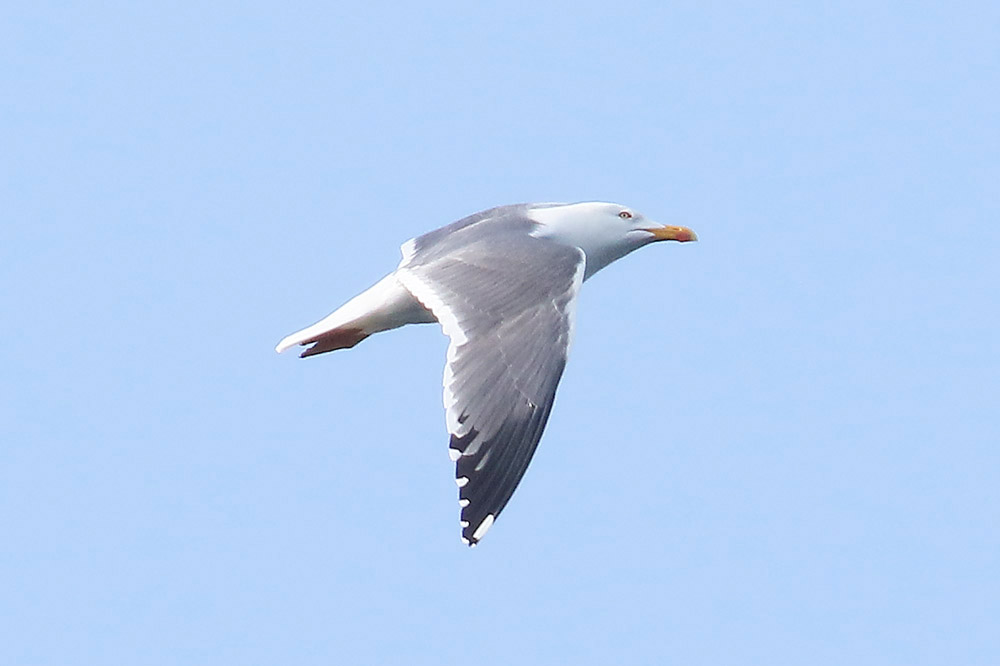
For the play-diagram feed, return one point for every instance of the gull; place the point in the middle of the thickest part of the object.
(503, 283)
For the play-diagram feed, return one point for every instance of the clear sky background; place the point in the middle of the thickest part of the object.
(778, 445)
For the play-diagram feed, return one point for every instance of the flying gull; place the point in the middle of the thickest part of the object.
(503, 284)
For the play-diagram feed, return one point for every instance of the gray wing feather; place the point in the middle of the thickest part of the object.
(506, 300)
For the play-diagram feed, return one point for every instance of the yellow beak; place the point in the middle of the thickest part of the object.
(681, 234)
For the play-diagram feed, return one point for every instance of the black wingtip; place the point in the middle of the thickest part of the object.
(473, 534)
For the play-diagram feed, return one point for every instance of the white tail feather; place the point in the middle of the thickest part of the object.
(325, 325)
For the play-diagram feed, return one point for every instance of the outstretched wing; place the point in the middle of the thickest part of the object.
(506, 300)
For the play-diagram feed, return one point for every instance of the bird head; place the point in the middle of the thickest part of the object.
(604, 231)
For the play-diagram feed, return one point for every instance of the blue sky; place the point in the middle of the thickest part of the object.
(777, 445)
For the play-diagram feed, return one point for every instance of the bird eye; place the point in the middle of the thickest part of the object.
(625, 215)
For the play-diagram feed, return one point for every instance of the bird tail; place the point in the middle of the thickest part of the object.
(384, 306)
(323, 340)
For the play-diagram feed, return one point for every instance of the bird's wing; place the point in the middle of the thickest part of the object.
(506, 301)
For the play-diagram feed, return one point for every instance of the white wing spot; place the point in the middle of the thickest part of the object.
(463, 502)
(461, 481)
(454, 454)
(463, 524)
(483, 527)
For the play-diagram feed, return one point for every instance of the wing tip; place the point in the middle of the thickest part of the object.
(476, 535)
